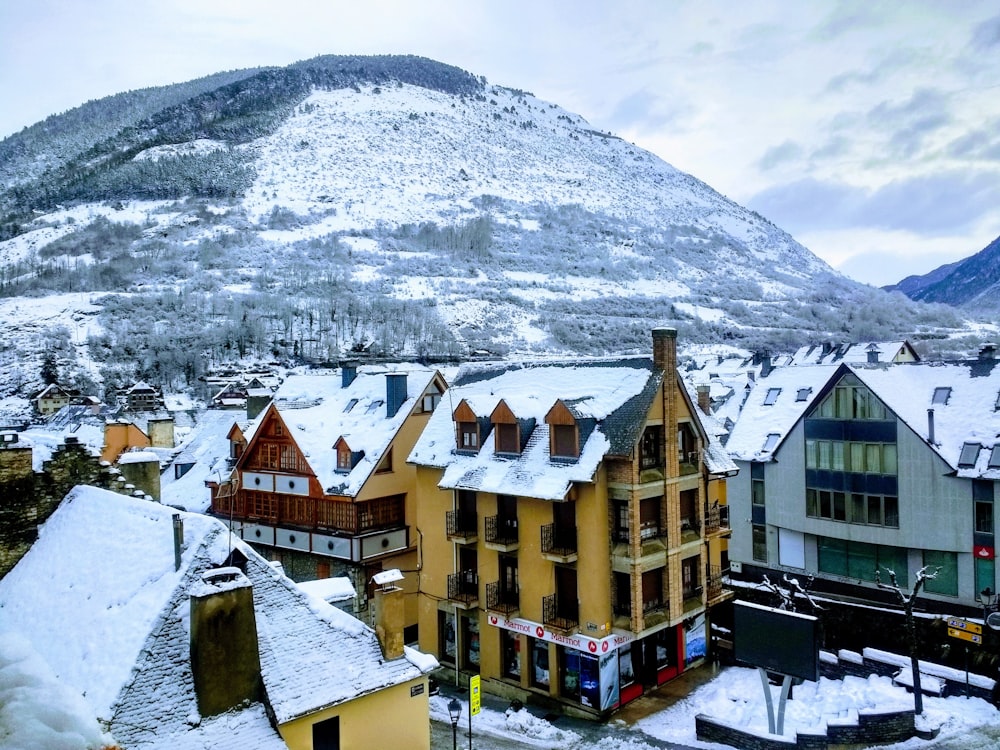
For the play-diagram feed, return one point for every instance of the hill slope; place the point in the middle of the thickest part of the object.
(388, 205)
(971, 283)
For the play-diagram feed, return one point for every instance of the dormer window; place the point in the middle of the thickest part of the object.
(466, 427)
(564, 433)
(344, 457)
(772, 396)
(506, 431)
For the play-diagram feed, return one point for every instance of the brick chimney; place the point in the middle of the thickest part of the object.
(704, 398)
(665, 349)
(225, 658)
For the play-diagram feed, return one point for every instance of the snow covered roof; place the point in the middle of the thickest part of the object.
(318, 410)
(98, 598)
(611, 396)
(965, 397)
(835, 354)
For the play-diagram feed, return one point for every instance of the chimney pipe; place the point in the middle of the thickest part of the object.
(765, 364)
(178, 540)
(930, 426)
(348, 372)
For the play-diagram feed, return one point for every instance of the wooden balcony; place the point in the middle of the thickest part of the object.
(463, 588)
(462, 527)
(559, 543)
(502, 599)
(717, 520)
(716, 590)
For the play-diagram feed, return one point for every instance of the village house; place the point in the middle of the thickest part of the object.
(850, 469)
(177, 635)
(572, 517)
(319, 479)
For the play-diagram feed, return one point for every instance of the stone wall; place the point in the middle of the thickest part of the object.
(871, 729)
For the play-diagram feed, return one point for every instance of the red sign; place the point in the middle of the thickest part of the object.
(982, 552)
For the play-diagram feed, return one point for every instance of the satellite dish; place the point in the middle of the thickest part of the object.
(993, 621)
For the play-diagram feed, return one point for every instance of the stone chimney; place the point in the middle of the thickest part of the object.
(225, 658)
(389, 620)
(348, 372)
(765, 364)
(395, 392)
(704, 398)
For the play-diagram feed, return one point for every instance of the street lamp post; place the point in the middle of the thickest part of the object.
(986, 598)
(454, 712)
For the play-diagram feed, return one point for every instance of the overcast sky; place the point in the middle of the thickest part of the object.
(869, 130)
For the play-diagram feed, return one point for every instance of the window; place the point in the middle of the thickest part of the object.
(850, 399)
(771, 442)
(373, 406)
(649, 517)
(946, 581)
(510, 650)
(873, 510)
(650, 449)
(860, 560)
(984, 517)
(689, 577)
(970, 452)
(385, 464)
(757, 483)
(350, 405)
(429, 402)
(803, 394)
(277, 429)
(623, 594)
(652, 590)
(289, 457)
(468, 436)
(759, 543)
(564, 442)
(995, 457)
(539, 663)
(326, 734)
(621, 521)
(343, 457)
(446, 636)
(506, 438)
(941, 396)
(772, 396)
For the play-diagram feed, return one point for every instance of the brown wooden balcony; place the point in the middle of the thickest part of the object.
(462, 526)
(559, 543)
(717, 519)
(317, 514)
(717, 592)
(502, 599)
(560, 613)
(463, 588)
(501, 533)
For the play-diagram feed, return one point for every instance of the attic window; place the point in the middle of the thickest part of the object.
(430, 401)
(772, 396)
(343, 456)
(996, 406)
(772, 442)
(564, 441)
(995, 457)
(468, 436)
(970, 452)
(506, 438)
(941, 395)
(350, 405)
(373, 406)
(803, 394)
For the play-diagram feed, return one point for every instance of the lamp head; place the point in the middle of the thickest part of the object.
(454, 710)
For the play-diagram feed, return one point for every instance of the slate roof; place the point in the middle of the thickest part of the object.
(609, 398)
(100, 601)
(318, 410)
(971, 413)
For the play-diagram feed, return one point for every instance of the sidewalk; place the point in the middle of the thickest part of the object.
(620, 725)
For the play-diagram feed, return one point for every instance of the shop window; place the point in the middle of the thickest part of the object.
(510, 649)
(666, 649)
(946, 580)
(569, 673)
(539, 663)
(470, 642)
(446, 637)
(626, 673)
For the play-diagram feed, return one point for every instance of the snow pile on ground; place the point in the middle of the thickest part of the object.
(529, 729)
(38, 711)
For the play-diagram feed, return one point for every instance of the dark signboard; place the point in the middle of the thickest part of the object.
(778, 641)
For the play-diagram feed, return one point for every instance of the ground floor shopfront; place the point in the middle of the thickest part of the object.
(522, 659)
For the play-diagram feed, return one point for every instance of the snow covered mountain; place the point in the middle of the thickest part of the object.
(380, 204)
(972, 283)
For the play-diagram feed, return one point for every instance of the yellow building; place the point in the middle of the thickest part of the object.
(571, 516)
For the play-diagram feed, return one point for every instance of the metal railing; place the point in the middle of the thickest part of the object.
(558, 540)
(461, 524)
(560, 613)
(464, 586)
(500, 530)
(503, 599)
(717, 517)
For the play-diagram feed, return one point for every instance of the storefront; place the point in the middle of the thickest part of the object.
(598, 674)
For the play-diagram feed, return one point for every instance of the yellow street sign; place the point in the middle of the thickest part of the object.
(475, 699)
(960, 624)
(976, 638)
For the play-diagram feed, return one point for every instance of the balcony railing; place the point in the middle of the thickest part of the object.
(716, 518)
(461, 524)
(503, 599)
(558, 540)
(464, 587)
(713, 582)
(560, 612)
(312, 513)
(500, 530)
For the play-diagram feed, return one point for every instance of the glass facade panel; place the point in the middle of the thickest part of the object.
(946, 581)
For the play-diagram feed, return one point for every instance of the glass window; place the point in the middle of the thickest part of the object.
(857, 457)
(825, 453)
(811, 455)
(759, 543)
(446, 634)
(771, 442)
(876, 409)
(757, 491)
(569, 672)
(889, 458)
(772, 396)
(891, 508)
(875, 510)
(506, 438)
(832, 556)
(862, 559)
(539, 663)
(564, 440)
(803, 394)
(941, 395)
(995, 457)
(859, 512)
(873, 458)
(626, 674)
(838, 457)
(649, 517)
(839, 506)
(985, 574)
(590, 688)
(970, 452)
(510, 648)
(946, 581)
(812, 502)
(895, 559)
(984, 518)
(470, 642)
